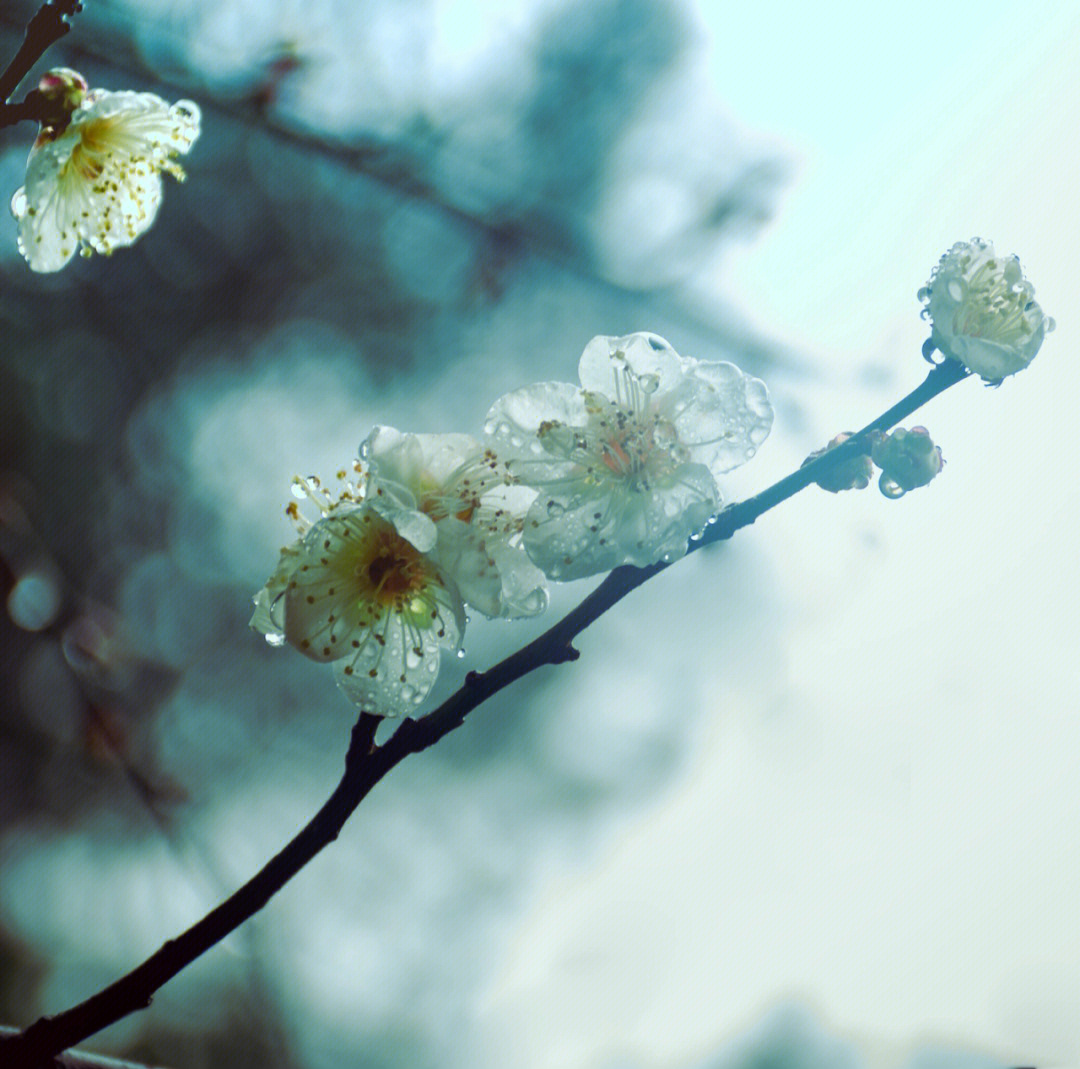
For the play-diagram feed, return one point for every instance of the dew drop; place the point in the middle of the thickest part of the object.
(956, 289)
(412, 658)
(1049, 324)
(554, 509)
(461, 654)
(650, 383)
(664, 434)
(924, 294)
(275, 639)
(890, 488)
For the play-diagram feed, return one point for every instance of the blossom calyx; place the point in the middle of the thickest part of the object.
(907, 458)
(852, 474)
(983, 311)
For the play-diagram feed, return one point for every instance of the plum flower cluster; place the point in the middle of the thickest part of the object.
(983, 311)
(570, 481)
(93, 177)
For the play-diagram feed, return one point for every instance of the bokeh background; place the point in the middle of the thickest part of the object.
(808, 799)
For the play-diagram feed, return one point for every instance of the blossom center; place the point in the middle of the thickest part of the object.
(388, 570)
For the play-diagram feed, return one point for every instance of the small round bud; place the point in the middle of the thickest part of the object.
(907, 458)
(853, 474)
(60, 92)
(62, 83)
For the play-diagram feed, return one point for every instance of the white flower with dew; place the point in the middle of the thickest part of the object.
(626, 466)
(96, 183)
(983, 311)
(354, 592)
(452, 496)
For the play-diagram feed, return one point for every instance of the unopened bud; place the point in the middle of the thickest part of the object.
(907, 458)
(59, 92)
(62, 83)
(852, 474)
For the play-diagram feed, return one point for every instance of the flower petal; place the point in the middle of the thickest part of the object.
(647, 357)
(392, 671)
(571, 536)
(719, 413)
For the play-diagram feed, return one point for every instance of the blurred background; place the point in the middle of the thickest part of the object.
(808, 799)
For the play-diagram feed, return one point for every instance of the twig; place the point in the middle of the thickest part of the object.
(366, 763)
(44, 29)
(74, 1059)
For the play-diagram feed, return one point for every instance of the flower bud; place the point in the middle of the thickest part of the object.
(62, 83)
(852, 474)
(983, 312)
(907, 458)
(60, 92)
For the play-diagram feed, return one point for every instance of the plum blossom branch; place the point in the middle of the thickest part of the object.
(44, 29)
(366, 763)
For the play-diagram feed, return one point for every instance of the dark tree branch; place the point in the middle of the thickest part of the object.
(44, 29)
(366, 763)
(74, 1059)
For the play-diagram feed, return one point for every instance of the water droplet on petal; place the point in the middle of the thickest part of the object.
(275, 639)
(554, 509)
(649, 383)
(413, 657)
(460, 654)
(956, 289)
(1049, 324)
(924, 294)
(664, 434)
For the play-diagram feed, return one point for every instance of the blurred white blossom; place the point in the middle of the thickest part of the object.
(626, 465)
(983, 311)
(95, 183)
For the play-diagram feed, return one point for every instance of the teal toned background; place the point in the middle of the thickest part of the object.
(808, 799)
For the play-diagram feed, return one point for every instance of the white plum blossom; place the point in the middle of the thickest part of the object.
(983, 311)
(626, 466)
(355, 592)
(451, 496)
(95, 183)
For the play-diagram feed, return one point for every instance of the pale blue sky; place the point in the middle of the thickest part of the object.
(884, 825)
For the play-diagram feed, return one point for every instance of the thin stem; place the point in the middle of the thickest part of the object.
(366, 763)
(43, 30)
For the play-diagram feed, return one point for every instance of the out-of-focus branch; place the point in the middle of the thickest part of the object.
(74, 1059)
(366, 763)
(44, 29)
